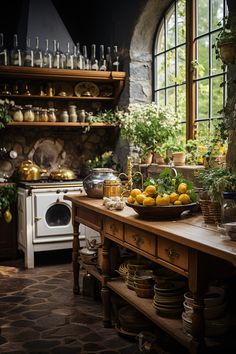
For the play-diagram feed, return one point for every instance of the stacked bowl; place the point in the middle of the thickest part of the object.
(143, 282)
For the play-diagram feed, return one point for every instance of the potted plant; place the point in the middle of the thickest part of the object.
(7, 197)
(148, 126)
(225, 44)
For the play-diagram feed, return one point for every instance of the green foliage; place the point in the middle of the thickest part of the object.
(216, 181)
(7, 196)
(225, 36)
(5, 106)
(148, 126)
(106, 160)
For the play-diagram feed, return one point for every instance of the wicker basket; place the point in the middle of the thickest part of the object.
(211, 211)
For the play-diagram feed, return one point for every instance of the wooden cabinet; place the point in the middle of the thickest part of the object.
(184, 246)
(59, 88)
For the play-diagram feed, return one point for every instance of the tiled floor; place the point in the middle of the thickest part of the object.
(40, 314)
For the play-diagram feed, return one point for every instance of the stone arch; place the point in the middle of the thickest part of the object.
(140, 77)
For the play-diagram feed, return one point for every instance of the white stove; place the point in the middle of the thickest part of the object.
(44, 217)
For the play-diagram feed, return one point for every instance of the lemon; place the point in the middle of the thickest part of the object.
(149, 190)
(173, 197)
(130, 199)
(7, 216)
(177, 202)
(140, 198)
(184, 198)
(149, 201)
(182, 188)
(163, 200)
(134, 192)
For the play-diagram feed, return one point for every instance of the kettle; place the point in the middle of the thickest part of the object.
(29, 171)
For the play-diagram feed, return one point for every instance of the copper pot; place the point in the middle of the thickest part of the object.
(63, 174)
(29, 171)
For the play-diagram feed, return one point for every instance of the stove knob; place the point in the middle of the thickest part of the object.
(65, 190)
(58, 191)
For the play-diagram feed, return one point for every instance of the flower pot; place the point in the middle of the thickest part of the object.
(157, 158)
(179, 158)
(147, 159)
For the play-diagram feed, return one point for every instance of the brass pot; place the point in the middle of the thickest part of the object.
(63, 174)
(29, 171)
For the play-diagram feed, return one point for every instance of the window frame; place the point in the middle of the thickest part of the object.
(191, 56)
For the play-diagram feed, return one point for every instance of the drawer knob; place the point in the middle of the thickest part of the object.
(113, 228)
(172, 253)
(138, 240)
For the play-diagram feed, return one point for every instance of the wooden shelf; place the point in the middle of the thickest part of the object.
(61, 98)
(58, 124)
(22, 72)
(172, 326)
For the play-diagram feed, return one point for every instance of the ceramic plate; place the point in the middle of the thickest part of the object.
(86, 89)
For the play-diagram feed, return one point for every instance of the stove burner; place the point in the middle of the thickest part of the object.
(48, 182)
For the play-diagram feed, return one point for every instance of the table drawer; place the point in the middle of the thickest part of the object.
(173, 253)
(113, 228)
(140, 239)
(89, 218)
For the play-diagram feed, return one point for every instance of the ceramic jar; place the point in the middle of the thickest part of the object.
(64, 117)
(28, 114)
(81, 115)
(18, 115)
(51, 115)
(72, 113)
(93, 183)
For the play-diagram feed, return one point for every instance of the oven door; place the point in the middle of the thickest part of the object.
(52, 215)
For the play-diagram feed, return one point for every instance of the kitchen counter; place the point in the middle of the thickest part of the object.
(186, 246)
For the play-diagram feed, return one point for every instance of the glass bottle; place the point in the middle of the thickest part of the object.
(94, 61)
(80, 58)
(108, 59)
(74, 58)
(62, 57)
(3, 52)
(102, 61)
(55, 56)
(115, 59)
(16, 54)
(72, 113)
(87, 64)
(28, 54)
(36, 114)
(68, 58)
(38, 59)
(51, 115)
(47, 56)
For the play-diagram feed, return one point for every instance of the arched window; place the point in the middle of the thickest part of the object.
(187, 75)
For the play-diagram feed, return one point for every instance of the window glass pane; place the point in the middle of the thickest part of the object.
(203, 57)
(217, 96)
(202, 16)
(170, 93)
(216, 67)
(181, 65)
(181, 21)
(202, 129)
(170, 67)
(170, 28)
(160, 71)
(203, 99)
(181, 102)
(161, 98)
(160, 43)
(217, 11)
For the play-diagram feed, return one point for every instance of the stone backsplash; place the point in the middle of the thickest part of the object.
(71, 148)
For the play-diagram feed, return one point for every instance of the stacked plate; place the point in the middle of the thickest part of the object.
(132, 269)
(168, 298)
(143, 283)
(216, 317)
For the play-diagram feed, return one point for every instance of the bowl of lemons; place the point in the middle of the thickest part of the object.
(165, 198)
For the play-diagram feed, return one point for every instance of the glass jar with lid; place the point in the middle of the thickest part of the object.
(51, 115)
(36, 114)
(18, 115)
(228, 211)
(43, 115)
(28, 114)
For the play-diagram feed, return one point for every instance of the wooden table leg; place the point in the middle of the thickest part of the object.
(75, 254)
(105, 292)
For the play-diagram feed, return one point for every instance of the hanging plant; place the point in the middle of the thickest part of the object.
(7, 197)
(225, 44)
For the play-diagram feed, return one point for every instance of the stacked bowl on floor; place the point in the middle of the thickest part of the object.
(215, 314)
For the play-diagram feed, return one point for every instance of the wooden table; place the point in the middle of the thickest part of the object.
(185, 246)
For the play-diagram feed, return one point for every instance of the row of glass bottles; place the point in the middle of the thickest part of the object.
(72, 59)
